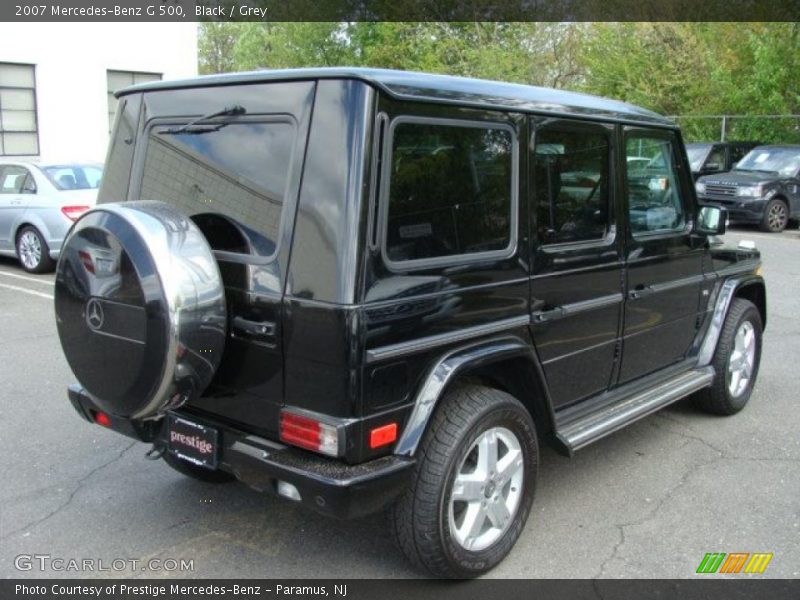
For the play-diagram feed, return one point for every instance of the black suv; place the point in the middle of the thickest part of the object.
(763, 189)
(368, 289)
(707, 158)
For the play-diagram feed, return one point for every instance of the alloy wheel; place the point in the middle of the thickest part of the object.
(30, 250)
(777, 216)
(487, 489)
(742, 359)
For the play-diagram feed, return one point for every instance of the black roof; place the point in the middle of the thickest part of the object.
(410, 85)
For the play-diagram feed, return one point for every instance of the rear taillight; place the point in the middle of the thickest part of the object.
(309, 433)
(102, 418)
(73, 212)
(86, 260)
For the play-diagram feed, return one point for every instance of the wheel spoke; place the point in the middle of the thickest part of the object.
(467, 488)
(735, 379)
(749, 340)
(508, 465)
(497, 512)
(471, 527)
(487, 454)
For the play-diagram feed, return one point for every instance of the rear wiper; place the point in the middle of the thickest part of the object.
(229, 111)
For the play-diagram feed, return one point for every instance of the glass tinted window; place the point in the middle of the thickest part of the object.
(12, 179)
(654, 195)
(737, 152)
(74, 177)
(716, 160)
(450, 191)
(696, 153)
(571, 185)
(231, 176)
(772, 159)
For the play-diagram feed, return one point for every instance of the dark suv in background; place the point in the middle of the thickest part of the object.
(368, 289)
(707, 158)
(763, 189)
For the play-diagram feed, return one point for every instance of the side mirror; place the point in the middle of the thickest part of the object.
(712, 167)
(711, 220)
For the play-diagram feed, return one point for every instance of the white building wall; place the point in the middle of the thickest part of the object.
(71, 61)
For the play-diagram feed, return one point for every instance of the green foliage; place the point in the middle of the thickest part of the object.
(671, 68)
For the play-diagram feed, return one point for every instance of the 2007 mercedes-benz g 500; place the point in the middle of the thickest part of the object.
(369, 289)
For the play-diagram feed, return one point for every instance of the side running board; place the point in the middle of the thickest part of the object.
(588, 428)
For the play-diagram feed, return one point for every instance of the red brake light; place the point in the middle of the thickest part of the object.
(73, 212)
(381, 436)
(86, 259)
(102, 418)
(308, 433)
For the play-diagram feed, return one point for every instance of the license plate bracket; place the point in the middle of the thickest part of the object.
(192, 441)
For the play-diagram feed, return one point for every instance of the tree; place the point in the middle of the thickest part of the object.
(671, 68)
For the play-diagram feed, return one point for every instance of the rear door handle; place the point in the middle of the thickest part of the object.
(640, 290)
(260, 330)
(543, 316)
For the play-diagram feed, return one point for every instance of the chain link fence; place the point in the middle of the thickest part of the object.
(766, 129)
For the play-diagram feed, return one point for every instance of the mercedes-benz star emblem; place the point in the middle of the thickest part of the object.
(94, 314)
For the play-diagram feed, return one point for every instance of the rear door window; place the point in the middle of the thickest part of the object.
(571, 185)
(451, 191)
(12, 179)
(230, 177)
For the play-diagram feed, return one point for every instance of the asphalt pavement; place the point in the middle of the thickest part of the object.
(648, 501)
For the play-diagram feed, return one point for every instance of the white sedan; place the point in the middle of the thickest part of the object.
(38, 204)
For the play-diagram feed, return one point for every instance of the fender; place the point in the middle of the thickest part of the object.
(448, 367)
(728, 291)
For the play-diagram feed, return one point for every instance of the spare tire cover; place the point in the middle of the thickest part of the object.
(140, 307)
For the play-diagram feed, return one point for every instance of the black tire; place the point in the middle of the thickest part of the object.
(776, 216)
(29, 239)
(196, 472)
(719, 399)
(421, 518)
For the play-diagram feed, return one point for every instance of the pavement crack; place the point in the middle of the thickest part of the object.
(651, 514)
(78, 486)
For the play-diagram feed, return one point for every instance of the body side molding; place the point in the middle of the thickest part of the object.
(441, 339)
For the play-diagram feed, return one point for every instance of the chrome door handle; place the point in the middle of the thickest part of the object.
(640, 291)
(543, 316)
(253, 329)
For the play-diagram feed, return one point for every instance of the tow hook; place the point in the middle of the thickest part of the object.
(155, 452)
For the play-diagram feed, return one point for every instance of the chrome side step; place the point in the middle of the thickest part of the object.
(584, 430)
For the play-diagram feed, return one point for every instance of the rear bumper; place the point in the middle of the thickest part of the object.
(325, 485)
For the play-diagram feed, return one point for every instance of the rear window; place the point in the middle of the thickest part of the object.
(451, 190)
(74, 177)
(230, 177)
